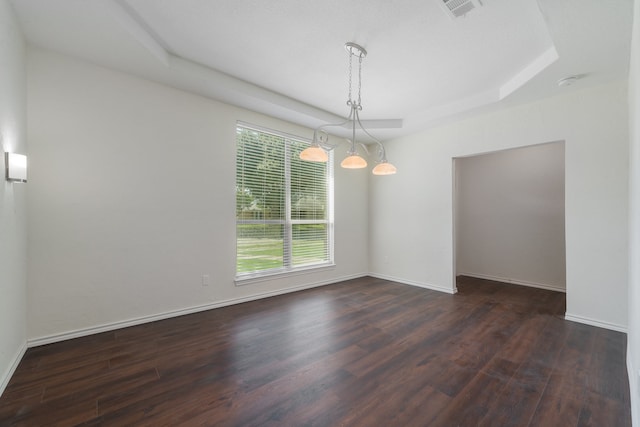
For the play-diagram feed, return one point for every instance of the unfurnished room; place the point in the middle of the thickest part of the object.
(320, 213)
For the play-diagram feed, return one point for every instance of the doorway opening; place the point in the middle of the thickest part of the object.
(509, 216)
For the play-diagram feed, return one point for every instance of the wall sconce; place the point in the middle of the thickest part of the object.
(16, 167)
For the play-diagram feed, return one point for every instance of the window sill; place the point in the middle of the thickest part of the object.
(263, 277)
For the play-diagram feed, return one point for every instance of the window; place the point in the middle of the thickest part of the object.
(284, 220)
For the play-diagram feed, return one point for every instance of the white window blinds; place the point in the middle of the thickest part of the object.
(283, 205)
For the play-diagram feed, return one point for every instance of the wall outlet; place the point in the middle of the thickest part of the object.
(205, 280)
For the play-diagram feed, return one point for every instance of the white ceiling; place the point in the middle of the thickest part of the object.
(285, 58)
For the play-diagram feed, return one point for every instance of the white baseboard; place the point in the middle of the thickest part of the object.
(515, 281)
(413, 283)
(594, 322)
(633, 388)
(6, 376)
(48, 339)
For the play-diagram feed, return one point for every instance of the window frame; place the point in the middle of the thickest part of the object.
(288, 269)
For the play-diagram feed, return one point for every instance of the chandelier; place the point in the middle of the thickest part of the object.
(317, 151)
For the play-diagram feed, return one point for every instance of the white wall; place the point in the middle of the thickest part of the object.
(633, 337)
(411, 220)
(510, 216)
(13, 251)
(132, 200)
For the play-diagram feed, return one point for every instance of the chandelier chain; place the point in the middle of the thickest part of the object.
(360, 82)
(349, 102)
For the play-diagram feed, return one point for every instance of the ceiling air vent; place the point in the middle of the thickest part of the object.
(459, 8)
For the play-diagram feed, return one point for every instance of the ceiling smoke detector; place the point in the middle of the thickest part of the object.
(568, 81)
(459, 8)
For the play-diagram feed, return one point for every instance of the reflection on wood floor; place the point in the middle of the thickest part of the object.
(365, 352)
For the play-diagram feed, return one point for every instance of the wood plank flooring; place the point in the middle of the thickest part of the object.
(365, 352)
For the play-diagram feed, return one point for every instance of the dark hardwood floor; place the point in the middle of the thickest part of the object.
(365, 352)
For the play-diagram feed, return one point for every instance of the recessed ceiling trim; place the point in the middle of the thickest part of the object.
(138, 32)
(151, 39)
(529, 72)
(380, 124)
(220, 86)
(195, 77)
(469, 103)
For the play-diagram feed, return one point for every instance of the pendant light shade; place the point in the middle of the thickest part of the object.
(384, 168)
(314, 154)
(353, 161)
